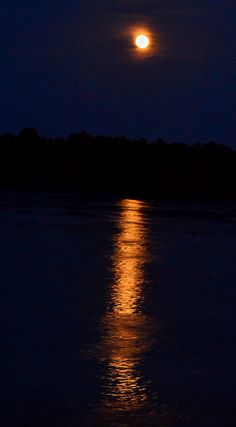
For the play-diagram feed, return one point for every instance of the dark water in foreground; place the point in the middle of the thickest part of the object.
(118, 313)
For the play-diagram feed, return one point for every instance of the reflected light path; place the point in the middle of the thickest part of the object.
(129, 259)
(126, 330)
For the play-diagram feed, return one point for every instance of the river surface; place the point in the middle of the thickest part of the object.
(116, 312)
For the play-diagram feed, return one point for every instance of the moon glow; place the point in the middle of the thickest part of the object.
(142, 41)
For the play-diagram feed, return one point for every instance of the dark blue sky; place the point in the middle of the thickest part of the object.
(70, 65)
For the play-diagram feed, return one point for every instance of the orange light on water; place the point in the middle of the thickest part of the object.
(128, 259)
(127, 328)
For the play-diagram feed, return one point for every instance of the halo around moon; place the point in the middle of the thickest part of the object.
(142, 41)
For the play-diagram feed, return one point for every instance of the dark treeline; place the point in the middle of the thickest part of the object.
(117, 166)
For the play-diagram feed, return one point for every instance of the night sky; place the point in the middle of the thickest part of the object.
(71, 65)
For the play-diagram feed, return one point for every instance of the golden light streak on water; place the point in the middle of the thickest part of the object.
(126, 328)
(129, 258)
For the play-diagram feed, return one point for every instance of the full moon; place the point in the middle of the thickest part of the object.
(142, 41)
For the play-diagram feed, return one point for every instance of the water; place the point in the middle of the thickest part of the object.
(116, 312)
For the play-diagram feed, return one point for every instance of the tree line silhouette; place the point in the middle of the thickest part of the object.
(117, 166)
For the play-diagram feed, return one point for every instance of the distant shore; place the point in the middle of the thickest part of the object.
(99, 166)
